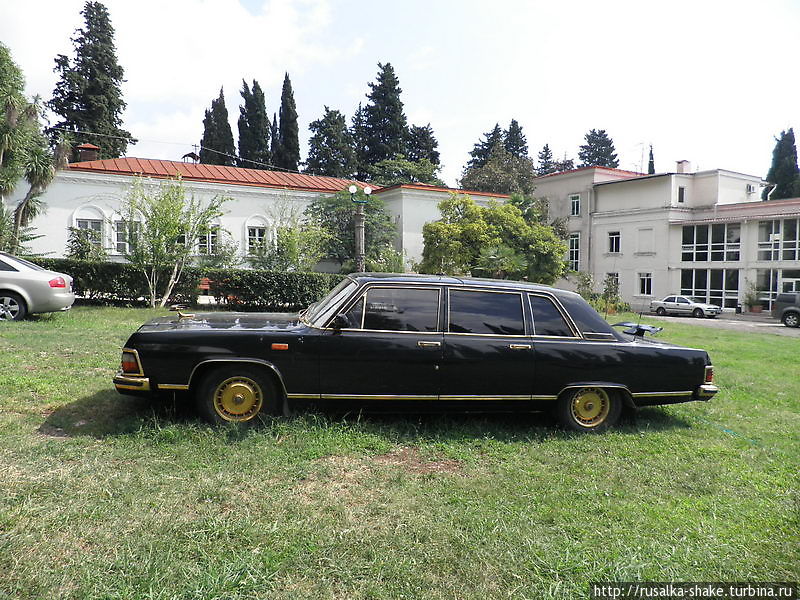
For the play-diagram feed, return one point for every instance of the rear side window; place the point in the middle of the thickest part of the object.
(401, 309)
(786, 298)
(547, 319)
(669, 299)
(6, 267)
(486, 313)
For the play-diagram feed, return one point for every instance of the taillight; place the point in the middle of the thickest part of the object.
(709, 374)
(129, 363)
(58, 282)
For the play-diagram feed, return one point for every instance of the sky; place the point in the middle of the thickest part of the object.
(712, 82)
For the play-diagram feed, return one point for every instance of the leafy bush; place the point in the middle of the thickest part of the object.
(243, 289)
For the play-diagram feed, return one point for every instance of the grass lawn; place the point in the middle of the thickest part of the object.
(105, 496)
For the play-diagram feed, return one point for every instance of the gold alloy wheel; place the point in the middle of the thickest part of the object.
(590, 407)
(238, 399)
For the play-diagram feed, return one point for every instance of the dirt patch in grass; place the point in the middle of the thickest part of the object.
(412, 461)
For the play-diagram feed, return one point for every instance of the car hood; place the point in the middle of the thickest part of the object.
(224, 320)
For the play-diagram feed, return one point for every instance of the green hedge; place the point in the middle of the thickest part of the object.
(242, 289)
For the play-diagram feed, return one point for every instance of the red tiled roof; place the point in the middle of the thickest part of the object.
(620, 171)
(214, 174)
(436, 188)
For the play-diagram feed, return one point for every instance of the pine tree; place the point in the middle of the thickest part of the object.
(651, 163)
(546, 163)
(254, 129)
(216, 146)
(598, 151)
(503, 173)
(515, 141)
(784, 172)
(287, 155)
(330, 149)
(358, 133)
(567, 164)
(88, 95)
(422, 144)
(481, 151)
(385, 121)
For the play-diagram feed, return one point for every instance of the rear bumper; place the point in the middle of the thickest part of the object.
(126, 383)
(705, 391)
(53, 303)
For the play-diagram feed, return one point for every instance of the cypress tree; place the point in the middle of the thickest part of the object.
(254, 129)
(275, 144)
(216, 146)
(88, 94)
(483, 148)
(330, 149)
(546, 163)
(385, 121)
(598, 151)
(651, 163)
(515, 141)
(422, 144)
(358, 133)
(784, 172)
(288, 152)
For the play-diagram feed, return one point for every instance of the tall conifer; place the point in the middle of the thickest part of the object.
(651, 163)
(216, 146)
(598, 151)
(515, 141)
(784, 172)
(288, 153)
(330, 149)
(254, 129)
(483, 148)
(385, 122)
(422, 144)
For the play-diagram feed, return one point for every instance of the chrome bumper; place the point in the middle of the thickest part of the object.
(705, 391)
(124, 382)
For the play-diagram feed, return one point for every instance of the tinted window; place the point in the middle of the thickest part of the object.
(547, 319)
(669, 299)
(486, 312)
(683, 301)
(402, 309)
(355, 314)
(6, 267)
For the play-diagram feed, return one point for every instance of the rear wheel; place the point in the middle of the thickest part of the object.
(12, 307)
(661, 311)
(791, 319)
(698, 313)
(589, 409)
(239, 394)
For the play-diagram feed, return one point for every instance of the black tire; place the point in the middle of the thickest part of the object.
(661, 311)
(12, 307)
(698, 313)
(791, 319)
(238, 394)
(588, 409)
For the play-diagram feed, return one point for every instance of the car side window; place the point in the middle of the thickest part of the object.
(669, 299)
(486, 313)
(355, 316)
(402, 309)
(683, 301)
(6, 267)
(547, 319)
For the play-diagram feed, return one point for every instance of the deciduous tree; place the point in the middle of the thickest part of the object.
(598, 151)
(501, 174)
(88, 94)
(398, 170)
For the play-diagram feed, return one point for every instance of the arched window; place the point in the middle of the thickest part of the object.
(91, 219)
(257, 233)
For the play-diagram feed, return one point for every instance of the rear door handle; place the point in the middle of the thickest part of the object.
(520, 346)
(422, 344)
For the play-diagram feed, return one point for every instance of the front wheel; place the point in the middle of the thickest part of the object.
(12, 307)
(791, 319)
(589, 409)
(698, 313)
(661, 311)
(239, 394)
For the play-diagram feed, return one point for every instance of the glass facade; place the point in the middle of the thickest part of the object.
(711, 243)
(714, 286)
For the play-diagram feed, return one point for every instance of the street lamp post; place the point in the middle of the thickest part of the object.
(359, 224)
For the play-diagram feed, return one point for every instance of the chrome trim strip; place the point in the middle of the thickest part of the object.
(451, 397)
(484, 397)
(302, 396)
(544, 397)
(172, 386)
(655, 394)
(378, 397)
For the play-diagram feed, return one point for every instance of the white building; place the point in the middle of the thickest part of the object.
(707, 234)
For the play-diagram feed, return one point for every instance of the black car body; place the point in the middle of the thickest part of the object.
(786, 308)
(418, 341)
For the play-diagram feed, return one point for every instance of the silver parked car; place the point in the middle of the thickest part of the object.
(684, 305)
(26, 288)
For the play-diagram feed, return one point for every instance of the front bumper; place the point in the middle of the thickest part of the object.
(128, 383)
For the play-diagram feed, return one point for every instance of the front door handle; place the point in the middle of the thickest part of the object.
(520, 346)
(423, 344)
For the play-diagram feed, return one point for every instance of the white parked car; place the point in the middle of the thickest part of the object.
(684, 305)
(26, 288)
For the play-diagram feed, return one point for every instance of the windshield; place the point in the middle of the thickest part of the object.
(320, 311)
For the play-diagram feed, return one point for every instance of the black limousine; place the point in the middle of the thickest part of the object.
(419, 342)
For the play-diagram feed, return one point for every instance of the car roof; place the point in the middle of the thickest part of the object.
(453, 280)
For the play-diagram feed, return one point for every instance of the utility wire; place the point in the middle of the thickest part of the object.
(134, 142)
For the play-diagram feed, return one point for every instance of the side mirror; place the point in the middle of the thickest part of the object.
(340, 321)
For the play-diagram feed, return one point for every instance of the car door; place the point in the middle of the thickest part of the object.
(390, 350)
(669, 304)
(487, 352)
(683, 306)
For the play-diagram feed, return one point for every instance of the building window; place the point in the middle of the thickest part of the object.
(122, 238)
(790, 245)
(769, 240)
(95, 229)
(681, 194)
(645, 284)
(613, 242)
(256, 238)
(207, 242)
(574, 257)
(713, 286)
(715, 243)
(575, 205)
